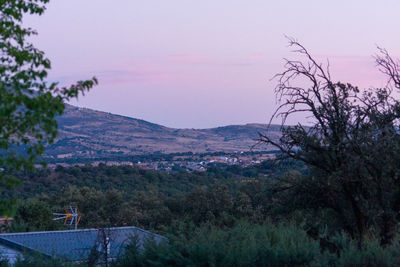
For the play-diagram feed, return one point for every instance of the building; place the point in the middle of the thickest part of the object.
(74, 245)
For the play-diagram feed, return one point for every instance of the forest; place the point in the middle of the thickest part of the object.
(226, 215)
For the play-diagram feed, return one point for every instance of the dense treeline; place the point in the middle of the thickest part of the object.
(124, 195)
(131, 179)
(219, 217)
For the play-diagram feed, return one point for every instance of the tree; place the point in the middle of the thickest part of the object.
(33, 215)
(351, 146)
(28, 102)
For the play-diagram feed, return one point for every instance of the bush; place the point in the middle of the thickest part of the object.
(257, 245)
(242, 245)
(371, 254)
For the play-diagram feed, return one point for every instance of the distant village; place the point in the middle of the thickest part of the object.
(193, 162)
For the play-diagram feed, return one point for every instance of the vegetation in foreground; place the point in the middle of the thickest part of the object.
(212, 218)
(245, 244)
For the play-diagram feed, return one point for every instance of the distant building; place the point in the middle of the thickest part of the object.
(6, 220)
(73, 245)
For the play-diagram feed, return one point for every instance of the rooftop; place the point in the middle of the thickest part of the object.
(75, 245)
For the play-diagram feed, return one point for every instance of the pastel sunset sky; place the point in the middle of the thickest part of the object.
(199, 64)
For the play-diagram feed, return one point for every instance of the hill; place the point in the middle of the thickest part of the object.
(92, 134)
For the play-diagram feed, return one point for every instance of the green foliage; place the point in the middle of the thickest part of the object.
(122, 195)
(122, 178)
(38, 260)
(257, 245)
(223, 223)
(242, 245)
(33, 215)
(28, 103)
(371, 253)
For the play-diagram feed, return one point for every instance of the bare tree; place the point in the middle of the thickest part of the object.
(101, 251)
(352, 145)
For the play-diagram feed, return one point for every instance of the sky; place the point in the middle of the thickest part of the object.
(201, 64)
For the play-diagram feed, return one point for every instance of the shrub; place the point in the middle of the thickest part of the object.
(242, 245)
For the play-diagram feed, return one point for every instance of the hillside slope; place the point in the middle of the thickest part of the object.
(89, 133)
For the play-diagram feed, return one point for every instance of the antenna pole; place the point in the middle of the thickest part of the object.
(76, 217)
(72, 216)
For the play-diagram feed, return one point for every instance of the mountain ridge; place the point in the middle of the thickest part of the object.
(89, 133)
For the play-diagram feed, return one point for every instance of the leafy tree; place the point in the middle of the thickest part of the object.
(352, 145)
(211, 205)
(33, 215)
(28, 102)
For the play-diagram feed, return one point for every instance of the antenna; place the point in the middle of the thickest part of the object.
(72, 216)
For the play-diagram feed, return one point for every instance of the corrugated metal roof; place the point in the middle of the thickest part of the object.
(76, 244)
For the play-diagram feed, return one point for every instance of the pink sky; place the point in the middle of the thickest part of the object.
(197, 64)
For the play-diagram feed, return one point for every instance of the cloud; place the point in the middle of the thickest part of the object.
(114, 77)
(203, 59)
(131, 76)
